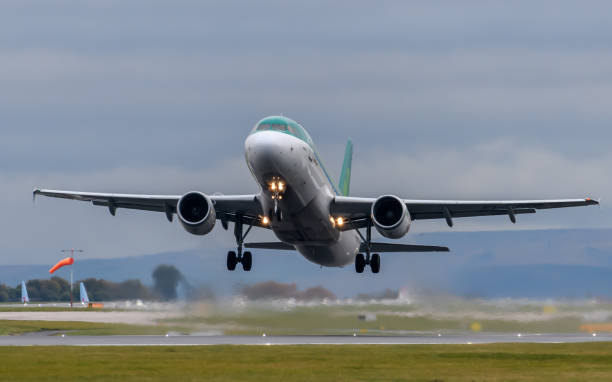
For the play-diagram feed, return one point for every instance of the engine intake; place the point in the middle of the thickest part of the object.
(196, 213)
(390, 217)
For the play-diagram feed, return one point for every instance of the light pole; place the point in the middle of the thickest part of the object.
(72, 251)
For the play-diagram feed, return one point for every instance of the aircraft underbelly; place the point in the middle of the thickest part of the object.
(304, 206)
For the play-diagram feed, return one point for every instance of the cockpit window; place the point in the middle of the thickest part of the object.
(272, 126)
(283, 125)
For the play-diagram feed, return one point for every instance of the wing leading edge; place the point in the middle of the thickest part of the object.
(357, 210)
(227, 207)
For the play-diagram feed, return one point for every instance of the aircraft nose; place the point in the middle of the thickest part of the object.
(264, 149)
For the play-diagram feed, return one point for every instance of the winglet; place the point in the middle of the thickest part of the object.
(34, 193)
(345, 175)
(590, 201)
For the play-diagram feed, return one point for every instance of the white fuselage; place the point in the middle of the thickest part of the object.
(305, 205)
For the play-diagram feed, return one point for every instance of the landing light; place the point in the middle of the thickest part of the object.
(265, 220)
(340, 221)
(277, 186)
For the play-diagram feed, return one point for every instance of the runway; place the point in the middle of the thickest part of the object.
(40, 339)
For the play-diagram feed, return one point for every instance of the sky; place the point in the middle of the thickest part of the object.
(444, 99)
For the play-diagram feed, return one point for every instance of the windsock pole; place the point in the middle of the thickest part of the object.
(72, 251)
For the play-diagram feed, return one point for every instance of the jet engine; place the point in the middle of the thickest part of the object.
(390, 217)
(196, 213)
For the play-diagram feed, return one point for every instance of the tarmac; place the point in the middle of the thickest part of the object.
(57, 339)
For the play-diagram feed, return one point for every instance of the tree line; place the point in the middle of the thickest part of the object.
(58, 289)
(166, 279)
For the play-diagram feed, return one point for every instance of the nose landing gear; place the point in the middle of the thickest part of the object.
(277, 187)
(246, 258)
(360, 260)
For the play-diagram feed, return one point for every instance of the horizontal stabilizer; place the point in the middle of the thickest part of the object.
(271, 245)
(389, 247)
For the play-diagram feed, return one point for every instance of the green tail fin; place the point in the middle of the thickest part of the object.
(345, 175)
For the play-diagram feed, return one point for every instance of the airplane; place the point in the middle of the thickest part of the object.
(24, 293)
(303, 207)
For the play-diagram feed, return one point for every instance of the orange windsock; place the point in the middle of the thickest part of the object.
(61, 263)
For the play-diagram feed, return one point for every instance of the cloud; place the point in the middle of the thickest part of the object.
(497, 170)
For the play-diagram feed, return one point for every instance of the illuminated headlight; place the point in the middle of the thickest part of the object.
(277, 186)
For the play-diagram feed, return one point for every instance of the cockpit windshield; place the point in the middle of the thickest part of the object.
(272, 126)
(283, 125)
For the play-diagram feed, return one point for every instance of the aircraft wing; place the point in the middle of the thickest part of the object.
(227, 207)
(357, 210)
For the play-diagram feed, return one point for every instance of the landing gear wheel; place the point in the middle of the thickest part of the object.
(247, 261)
(375, 263)
(232, 260)
(359, 263)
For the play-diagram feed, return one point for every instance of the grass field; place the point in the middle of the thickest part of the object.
(8, 327)
(469, 363)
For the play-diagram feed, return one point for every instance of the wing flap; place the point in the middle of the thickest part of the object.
(132, 206)
(390, 247)
(465, 214)
(278, 245)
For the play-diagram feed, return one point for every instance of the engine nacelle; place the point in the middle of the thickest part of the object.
(390, 217)
(196, 213)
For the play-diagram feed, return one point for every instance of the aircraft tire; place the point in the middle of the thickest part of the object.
(247, 261)
(375, 263)
(359, 263)
(232, 260)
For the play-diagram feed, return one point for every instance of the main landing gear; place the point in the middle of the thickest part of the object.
(246, 258)
(360, 260)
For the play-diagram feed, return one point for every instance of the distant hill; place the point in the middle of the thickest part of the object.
(538, 263)
(546, 280)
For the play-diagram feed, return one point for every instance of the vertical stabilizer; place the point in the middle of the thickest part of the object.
(84, 298)
(24, 293)
(345, 175)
